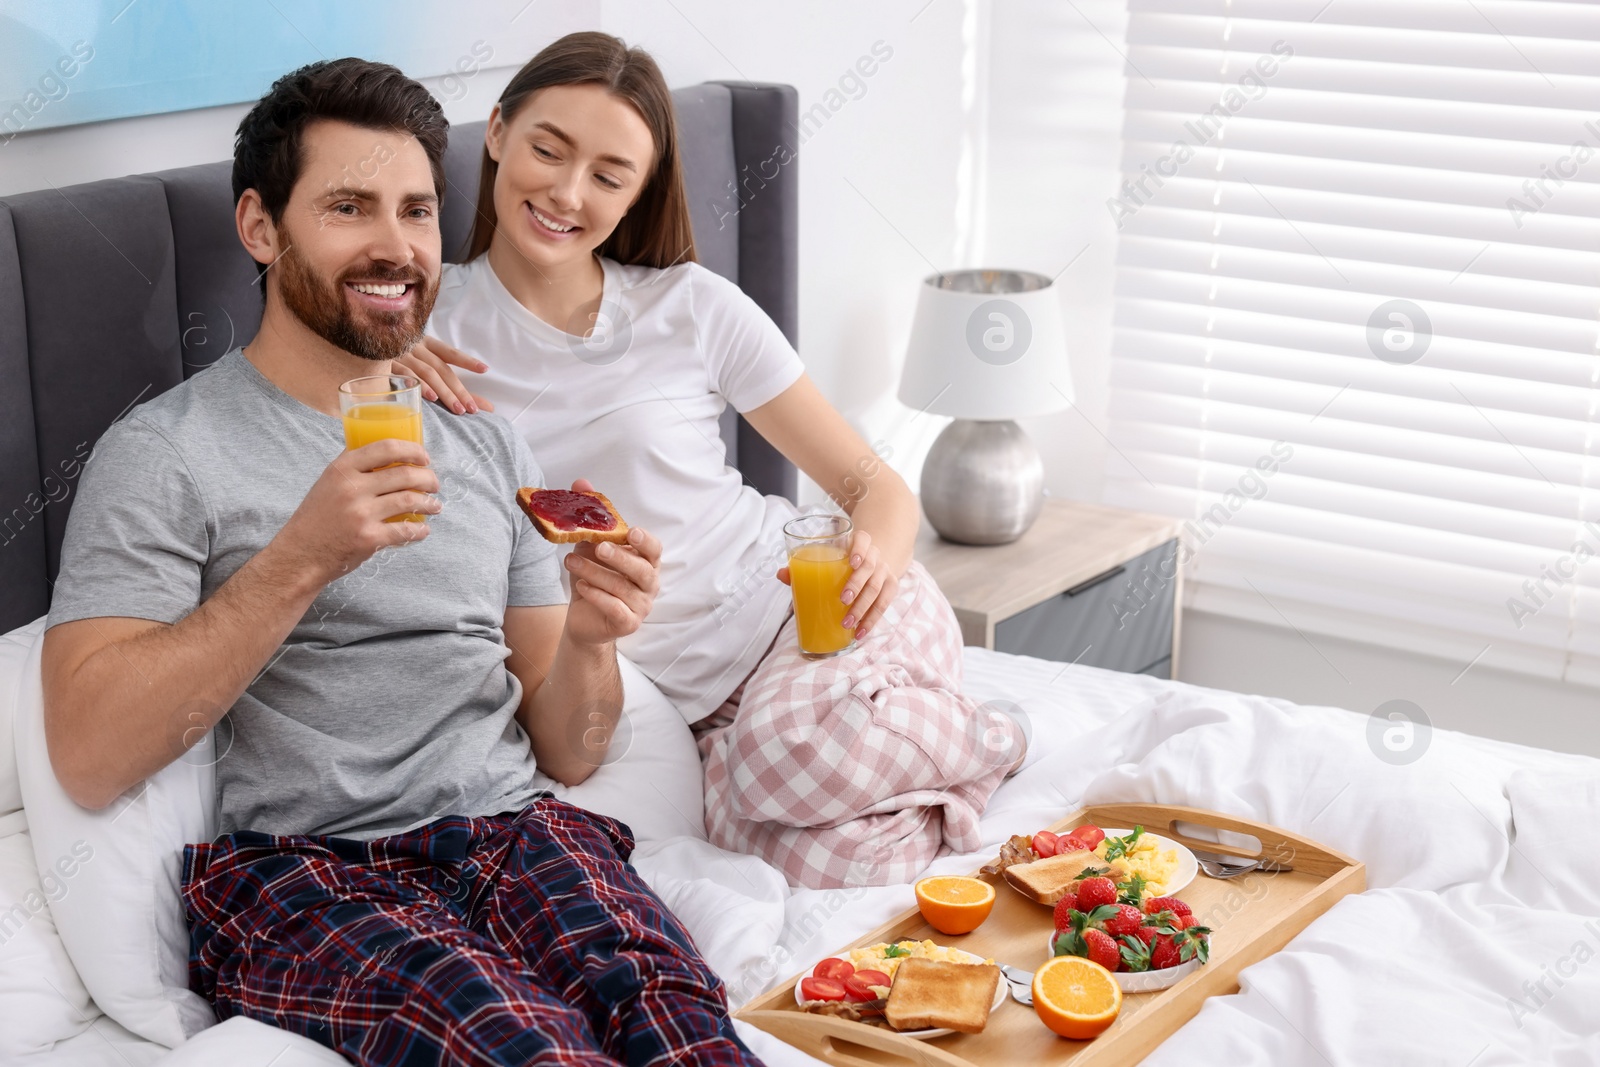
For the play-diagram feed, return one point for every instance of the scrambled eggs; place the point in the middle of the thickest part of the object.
(1148, 859)
(872, 957)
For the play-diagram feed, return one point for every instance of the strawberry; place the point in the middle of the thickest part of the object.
(1064, 907)
(1102, 949)
(1127, 919)
(1075, 940)
(1094, 892)
(1162, 919)
(1193, 941)
(1175, 943)
(1135, 952)
(1146, 936)
(1173, 904)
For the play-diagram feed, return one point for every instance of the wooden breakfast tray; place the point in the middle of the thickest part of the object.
(1251, 917)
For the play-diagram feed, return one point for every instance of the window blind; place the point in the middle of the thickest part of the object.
(1357, 321)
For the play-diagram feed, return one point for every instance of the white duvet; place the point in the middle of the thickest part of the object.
(1478, 942)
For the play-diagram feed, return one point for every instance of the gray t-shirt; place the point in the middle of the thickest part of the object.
(389, 705)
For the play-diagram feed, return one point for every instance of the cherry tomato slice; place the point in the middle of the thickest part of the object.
(833, 968)
(821, 989)
(877, 978)
(1071, 843)
(1090, 834)
(855, 989)
(1044, 843)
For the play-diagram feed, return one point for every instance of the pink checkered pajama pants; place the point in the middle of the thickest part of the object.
(857, 770)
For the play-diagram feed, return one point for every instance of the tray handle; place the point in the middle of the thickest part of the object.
(1277, 845)
(830, 1039)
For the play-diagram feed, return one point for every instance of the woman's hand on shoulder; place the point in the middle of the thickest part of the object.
(431, 362)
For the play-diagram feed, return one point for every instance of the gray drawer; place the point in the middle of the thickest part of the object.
(1123, 618)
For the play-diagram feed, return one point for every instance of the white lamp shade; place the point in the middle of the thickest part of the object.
(987, 344)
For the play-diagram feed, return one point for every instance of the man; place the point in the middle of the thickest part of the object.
(390, 880)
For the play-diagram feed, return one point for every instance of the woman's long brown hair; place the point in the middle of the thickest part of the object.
(656, 231)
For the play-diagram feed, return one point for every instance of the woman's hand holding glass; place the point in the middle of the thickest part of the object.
(871, 588)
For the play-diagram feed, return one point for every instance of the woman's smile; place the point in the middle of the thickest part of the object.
(551, 227)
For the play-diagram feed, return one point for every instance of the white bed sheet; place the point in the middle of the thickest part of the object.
(1478, 942)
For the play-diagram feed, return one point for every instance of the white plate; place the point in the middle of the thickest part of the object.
(920, 1035)
(1188, 866)
(1139, 981)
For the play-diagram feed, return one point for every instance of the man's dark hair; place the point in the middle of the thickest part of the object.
(375, 96)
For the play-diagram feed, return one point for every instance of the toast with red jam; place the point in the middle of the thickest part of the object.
(566, 516)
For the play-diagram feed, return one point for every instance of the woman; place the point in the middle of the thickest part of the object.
(615, 353)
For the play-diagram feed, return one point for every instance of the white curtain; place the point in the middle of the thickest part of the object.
(1357, 322)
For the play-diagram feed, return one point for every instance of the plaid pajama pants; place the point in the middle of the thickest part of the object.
(513, 939)
(857, 770)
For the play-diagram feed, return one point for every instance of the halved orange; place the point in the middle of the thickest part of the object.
(954, 905)
(1075, 997)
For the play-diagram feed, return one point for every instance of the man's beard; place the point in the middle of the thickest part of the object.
(368, 333)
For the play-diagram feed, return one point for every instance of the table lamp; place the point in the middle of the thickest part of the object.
(987, 347)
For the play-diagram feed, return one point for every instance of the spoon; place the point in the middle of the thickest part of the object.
(1019, 982)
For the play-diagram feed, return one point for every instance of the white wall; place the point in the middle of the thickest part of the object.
(1055, 125)
(886, 183)
(1248, 657)
(991, 138)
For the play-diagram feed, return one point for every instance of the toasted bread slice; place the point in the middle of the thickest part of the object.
(1047, 880)
(564, 516)
(938, 994)
(934, 993)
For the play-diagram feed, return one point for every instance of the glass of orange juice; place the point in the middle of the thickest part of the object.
(819, 567)
(379, 407)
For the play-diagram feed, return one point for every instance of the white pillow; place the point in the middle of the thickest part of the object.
(42, 999)
(123, 924)
(651, 776)
(14, 649)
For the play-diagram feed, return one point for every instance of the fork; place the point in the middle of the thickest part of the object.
(1218, 866)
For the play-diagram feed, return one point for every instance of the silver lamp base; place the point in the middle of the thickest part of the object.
(983, 482)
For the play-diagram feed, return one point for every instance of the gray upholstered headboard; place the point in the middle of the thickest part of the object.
(114, 291)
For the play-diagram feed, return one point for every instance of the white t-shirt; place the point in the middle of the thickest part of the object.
(634, 409)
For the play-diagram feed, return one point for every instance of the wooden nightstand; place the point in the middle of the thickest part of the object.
(1086, 584)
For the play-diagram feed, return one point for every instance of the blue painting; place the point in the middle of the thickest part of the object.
(70, 61)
